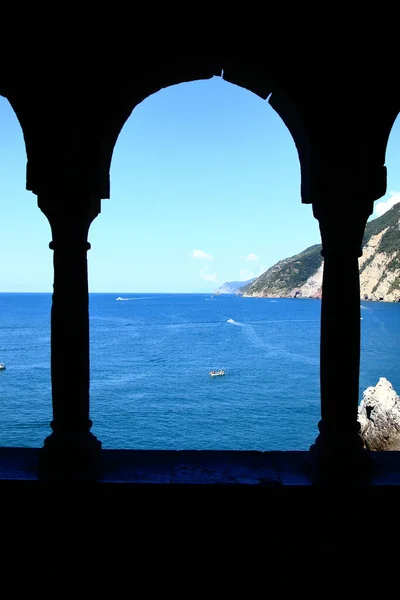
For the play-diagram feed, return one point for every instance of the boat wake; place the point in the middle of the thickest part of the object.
(234, 322)
(140, 298)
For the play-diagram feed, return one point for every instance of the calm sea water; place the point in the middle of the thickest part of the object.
(150, 360)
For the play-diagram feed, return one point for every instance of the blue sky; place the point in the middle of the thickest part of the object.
(205, 188)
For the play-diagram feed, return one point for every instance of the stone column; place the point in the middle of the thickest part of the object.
(71, 449)
(339, 448)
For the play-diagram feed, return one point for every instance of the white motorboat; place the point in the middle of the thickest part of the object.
(215, 373)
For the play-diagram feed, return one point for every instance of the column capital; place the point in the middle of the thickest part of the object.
(342, 226)
(70, 219)
(68, 209)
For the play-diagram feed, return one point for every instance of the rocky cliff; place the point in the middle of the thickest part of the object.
(301, 275)
(379, 417)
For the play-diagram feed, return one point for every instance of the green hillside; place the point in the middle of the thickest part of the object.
(288, 273)
(390, 242)
(293, 272)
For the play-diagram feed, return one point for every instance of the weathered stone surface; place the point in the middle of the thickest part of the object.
(379, 417)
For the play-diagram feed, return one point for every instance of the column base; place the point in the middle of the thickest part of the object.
(340, 458)
(70, 456)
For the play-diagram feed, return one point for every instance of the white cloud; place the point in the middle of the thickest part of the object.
(385, 205)
(201, 254)
(204, 274)
(251, 256)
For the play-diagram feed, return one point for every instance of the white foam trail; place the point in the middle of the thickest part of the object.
(141, 298)
(234, 322)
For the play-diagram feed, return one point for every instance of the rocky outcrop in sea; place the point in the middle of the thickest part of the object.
(379, 417)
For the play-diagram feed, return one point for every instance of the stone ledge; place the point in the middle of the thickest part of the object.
(273, 469)
(199, 501)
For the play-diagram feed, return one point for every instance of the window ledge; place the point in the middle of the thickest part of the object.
(273, 469)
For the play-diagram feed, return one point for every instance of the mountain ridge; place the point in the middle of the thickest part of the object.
(300, 276)
(232, 287)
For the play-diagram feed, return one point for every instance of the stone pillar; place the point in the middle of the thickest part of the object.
(339, 449)
(71, 449)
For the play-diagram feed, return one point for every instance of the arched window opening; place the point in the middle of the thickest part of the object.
(205, 191)
(380, 296)
(26, 278)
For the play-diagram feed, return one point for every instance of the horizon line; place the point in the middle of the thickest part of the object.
(114, 293)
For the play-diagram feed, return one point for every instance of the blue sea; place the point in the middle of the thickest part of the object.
(150, 360)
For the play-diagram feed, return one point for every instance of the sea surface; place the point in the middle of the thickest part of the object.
(150, 360)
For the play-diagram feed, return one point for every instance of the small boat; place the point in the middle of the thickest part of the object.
(2, 367)
(215, 373)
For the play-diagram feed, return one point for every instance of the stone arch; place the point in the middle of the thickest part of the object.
(381, 118)
(388, 119)
(389, 139)
(245, 75)
(18, 113)
(27, 109)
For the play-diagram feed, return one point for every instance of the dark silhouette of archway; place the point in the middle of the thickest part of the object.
(330, 86)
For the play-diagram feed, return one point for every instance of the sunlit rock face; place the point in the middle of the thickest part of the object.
(379, 417)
